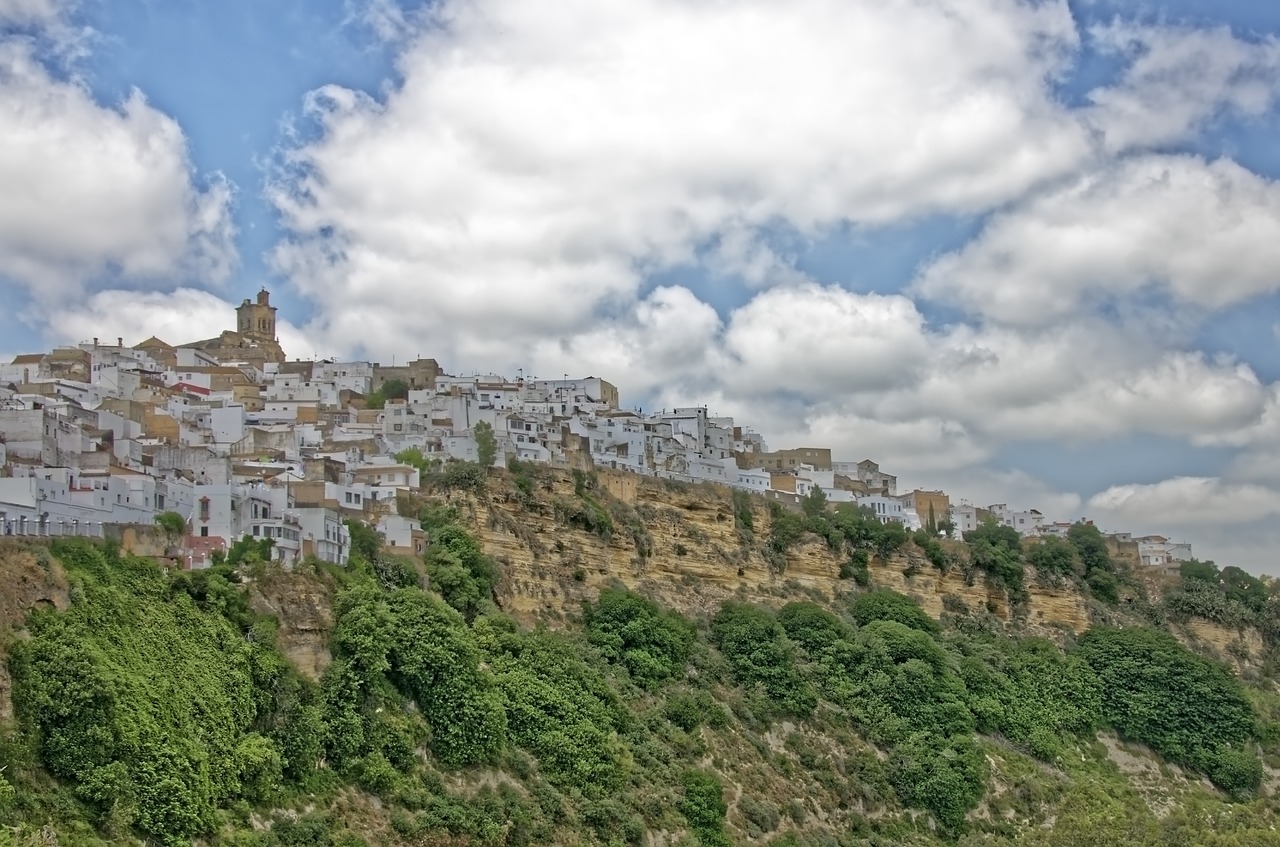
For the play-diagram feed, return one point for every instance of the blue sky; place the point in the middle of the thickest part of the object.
(1023, 251)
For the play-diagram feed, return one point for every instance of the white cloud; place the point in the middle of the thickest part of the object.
(864, 374)
(1187, 501)
(92, 191)
(823, 342)
(1206, 234)
(177, 317)
(1178, 80)
(31, 12)
(541, 158)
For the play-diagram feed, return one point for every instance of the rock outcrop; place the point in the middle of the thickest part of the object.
(685, 550)
(31, 579)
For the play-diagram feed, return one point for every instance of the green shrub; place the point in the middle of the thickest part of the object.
(1033, 694)
(691, 709)
(703, 806)
(464, 475)
(759, 653)
(812, 627)
(1156, 692)
(141, 699)
(653, 645)
(886, 605)
(171, 523)
(947, 776)
(559, 708)
(459, 569)
(1236, 771)
(1053, 555)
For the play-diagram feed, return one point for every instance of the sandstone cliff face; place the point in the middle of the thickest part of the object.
(302, 602)
(1242, 649)
(30, 579)
(696, 558)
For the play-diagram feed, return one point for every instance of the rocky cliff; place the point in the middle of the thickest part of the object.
(29, 579)
(684, 548)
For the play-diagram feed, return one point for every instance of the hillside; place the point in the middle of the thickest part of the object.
(602, 659)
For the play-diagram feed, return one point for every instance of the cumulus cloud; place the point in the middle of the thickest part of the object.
(177, 317)
(1206, 234)
(92, 192)
(540, 159)
(1178, 79)
(865, 375)
(31, 12)
(1187, 501)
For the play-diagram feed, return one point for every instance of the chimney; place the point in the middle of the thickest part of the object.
(119, 341)
(95, 342)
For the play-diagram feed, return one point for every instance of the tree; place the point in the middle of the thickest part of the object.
(172, 523)
(1198, 571)
(1053, 555)
(486, 444)
(886, 605)
(814, 504)
(1092, 547)
(760, 653)
(653, 645)
(394, 389)
(415, 457)
(366, 542)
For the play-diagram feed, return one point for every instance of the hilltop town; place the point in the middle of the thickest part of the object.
(240, 441)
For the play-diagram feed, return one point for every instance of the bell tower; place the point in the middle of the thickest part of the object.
(257, 321)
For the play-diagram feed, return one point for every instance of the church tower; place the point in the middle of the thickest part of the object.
(257, 321)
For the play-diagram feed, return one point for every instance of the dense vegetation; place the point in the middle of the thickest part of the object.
(160, 706)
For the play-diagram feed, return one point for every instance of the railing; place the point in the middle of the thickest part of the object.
(24, 527)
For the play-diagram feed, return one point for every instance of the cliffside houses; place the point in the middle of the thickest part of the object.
(242, 442)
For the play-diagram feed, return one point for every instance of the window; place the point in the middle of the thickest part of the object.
(204, 508)
(204, 532)
(256, 529)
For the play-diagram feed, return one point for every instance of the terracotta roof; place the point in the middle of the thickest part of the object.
(28, 359)
(152, 342)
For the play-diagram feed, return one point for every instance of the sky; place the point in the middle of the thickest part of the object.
(1027, 252)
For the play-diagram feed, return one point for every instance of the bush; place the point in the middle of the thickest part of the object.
(857, 568)
(947, 776)
(1236, 771)
(459, 570)
(1156, 692)
(143, 701)
(171, 523)
(758, 651)
(466, 475)
(653, 645)
(435, 660)
(996, 550)
(1052, 555)
(886, 605)
(559, 708)
(812, 627)
(1033, 694)
(703, 806)
(691, 709)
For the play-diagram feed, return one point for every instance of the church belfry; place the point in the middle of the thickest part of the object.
(257, 321)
